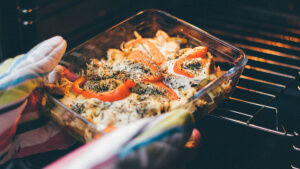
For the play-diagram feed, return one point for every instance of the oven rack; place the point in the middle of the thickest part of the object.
(267, 96)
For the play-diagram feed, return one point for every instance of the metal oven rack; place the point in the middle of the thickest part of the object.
(267, 96)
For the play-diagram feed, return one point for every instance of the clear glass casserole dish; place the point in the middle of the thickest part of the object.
(229, 58)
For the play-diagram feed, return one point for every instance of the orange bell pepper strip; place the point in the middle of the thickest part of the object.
(178, 64)
(109, 129)
(171, 92)
(156, 55)
(119, 93)
(198, 54)
(179, 70)
(142, 57)
(77, 85)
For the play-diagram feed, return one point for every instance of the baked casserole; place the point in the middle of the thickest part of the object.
(144, 78)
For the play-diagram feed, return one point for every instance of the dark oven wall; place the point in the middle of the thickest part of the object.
(24, 23)
(75, 20)
(27, 22)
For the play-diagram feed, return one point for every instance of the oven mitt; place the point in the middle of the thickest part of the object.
(19, 76)
(148, 143)
(156, 142)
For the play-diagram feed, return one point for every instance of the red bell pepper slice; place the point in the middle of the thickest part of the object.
(155, 53)
(69, 75)
(198, 54)
(119, 93)
(179, 70)
(178, 64)
(142, 57)
(170, 92)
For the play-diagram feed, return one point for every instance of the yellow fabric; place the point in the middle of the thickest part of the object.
(16, 93)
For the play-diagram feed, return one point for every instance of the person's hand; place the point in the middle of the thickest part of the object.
(19, 77)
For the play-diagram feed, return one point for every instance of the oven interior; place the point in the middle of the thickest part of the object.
(257, 127)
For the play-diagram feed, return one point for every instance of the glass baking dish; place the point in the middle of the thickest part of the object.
(230, 59)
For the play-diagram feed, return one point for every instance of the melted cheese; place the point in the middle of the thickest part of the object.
(168, 48)
(147, 100)
(181, 82)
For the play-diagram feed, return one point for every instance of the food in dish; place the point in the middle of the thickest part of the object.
(144, 78)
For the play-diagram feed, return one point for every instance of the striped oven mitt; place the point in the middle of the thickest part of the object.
(149, 143)
(19, 77)
(156, 142)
